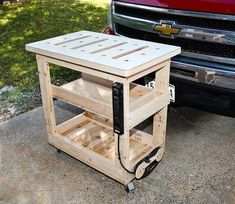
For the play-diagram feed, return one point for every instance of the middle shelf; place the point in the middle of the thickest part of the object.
(97, 98)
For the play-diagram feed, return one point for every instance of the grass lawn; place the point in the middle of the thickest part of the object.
(33, 20)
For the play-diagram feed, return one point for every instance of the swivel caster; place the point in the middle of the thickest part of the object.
(129, 187)
(58, 150)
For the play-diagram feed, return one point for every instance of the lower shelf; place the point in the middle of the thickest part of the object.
(96, 134)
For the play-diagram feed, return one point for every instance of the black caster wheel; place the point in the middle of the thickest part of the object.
(58, 150)
(129, 187)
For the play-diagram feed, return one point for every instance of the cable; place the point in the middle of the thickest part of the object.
(119, 157)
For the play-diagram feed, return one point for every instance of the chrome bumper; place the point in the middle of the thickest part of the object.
(203, 74)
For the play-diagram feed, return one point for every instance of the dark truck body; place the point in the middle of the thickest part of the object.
(204, 74)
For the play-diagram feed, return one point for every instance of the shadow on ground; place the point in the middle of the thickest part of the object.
(198, 166)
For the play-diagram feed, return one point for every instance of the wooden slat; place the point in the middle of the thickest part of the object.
(104, 140)
(97, 80)
(90, 136)
(111, 150)
(107, 150)
(110, 153)
(99, 120)
(90, 90)
(90, 104)
(136, 150)
(149, 108)
(142, 137)
(148, 71)
(70, 123)
(136, 92)
(83, 69)
(76, 128)
(79, 130)
(142, 100)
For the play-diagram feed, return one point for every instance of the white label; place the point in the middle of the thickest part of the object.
(151, 84)
(172, 92)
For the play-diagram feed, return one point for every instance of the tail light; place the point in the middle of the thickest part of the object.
(108, 30)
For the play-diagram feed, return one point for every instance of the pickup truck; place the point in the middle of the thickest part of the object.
(204, 74)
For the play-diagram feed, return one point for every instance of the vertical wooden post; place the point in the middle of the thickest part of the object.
(47, 98)
(124, 139)
(160, 118)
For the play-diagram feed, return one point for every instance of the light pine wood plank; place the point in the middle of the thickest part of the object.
(47, 97)
(160, 119)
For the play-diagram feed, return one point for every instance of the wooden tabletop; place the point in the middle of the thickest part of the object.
(117, 55)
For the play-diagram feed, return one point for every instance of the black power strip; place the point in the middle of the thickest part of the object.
(118, 123)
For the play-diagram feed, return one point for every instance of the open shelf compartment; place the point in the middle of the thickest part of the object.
(97, 98)
(96, 134)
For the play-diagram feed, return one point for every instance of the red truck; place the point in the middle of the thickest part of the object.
(204, 74)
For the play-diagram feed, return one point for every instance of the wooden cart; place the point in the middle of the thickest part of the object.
(102, 60)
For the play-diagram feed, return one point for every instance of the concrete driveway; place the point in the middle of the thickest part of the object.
(198, 166)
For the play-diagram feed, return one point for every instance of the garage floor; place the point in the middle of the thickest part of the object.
(198, 166)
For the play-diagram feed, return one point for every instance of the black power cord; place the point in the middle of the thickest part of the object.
(120, 159)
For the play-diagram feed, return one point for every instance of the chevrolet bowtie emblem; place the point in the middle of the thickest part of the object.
(166, 29)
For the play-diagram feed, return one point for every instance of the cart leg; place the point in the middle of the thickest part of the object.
(160, 118)
(124, 139)
(47, 98)
(159, 127)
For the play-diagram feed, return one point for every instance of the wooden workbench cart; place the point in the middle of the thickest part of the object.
(103, 60)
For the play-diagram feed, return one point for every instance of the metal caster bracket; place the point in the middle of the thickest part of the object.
(58, 150)
(129, 187)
